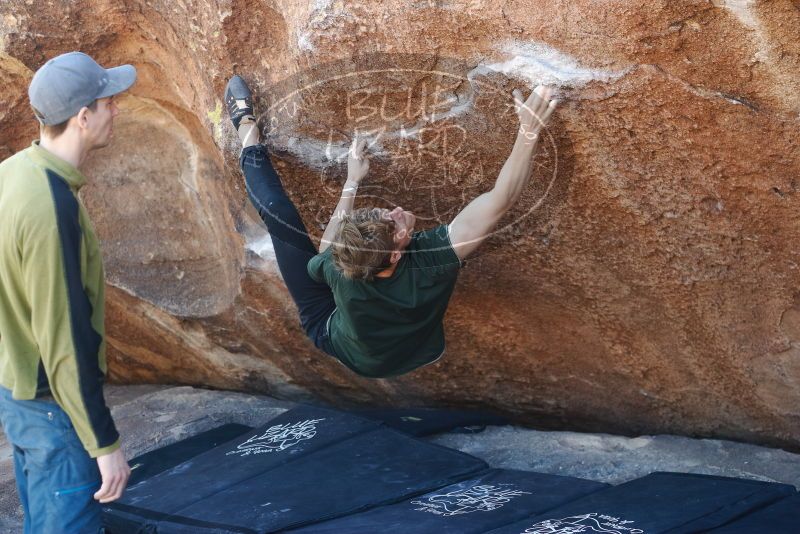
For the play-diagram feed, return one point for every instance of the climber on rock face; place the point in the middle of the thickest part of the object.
(375, 295)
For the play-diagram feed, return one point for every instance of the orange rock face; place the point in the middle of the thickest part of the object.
(647, 282)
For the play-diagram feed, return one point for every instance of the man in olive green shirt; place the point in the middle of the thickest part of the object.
(67, 454)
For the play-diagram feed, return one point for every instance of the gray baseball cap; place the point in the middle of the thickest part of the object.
(67, 83)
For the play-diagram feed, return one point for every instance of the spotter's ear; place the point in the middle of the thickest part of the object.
(82, 118)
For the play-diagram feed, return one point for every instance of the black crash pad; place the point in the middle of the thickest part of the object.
(783, 517)
(307, 465)
(658, 503)
(292, 434)
(157, 461)
(428, 421)
(495, 498)
(152, 463)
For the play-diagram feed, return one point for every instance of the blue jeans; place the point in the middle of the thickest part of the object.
(293, 247)
(56, 477)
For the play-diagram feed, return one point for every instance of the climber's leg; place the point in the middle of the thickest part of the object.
(293, 247)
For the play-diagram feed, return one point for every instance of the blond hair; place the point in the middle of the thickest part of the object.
(363, 243)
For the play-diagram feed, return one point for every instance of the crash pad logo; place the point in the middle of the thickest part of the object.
(278, 438)
(587, 524)
(478, 498)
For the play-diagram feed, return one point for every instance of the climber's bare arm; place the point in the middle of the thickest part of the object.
(357, 167)
(477, 220)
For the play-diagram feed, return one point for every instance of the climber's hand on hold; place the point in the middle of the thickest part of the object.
(357, 161)
(357, 167)
(480, 217)
(535, 112)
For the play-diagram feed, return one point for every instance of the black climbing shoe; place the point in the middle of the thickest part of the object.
(237, 90)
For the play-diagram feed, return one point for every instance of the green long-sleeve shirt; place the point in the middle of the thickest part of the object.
(52, 335)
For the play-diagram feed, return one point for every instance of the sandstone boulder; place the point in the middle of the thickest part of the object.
(647, 282)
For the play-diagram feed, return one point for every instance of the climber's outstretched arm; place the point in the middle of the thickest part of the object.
(477, 220)
(357, 167)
